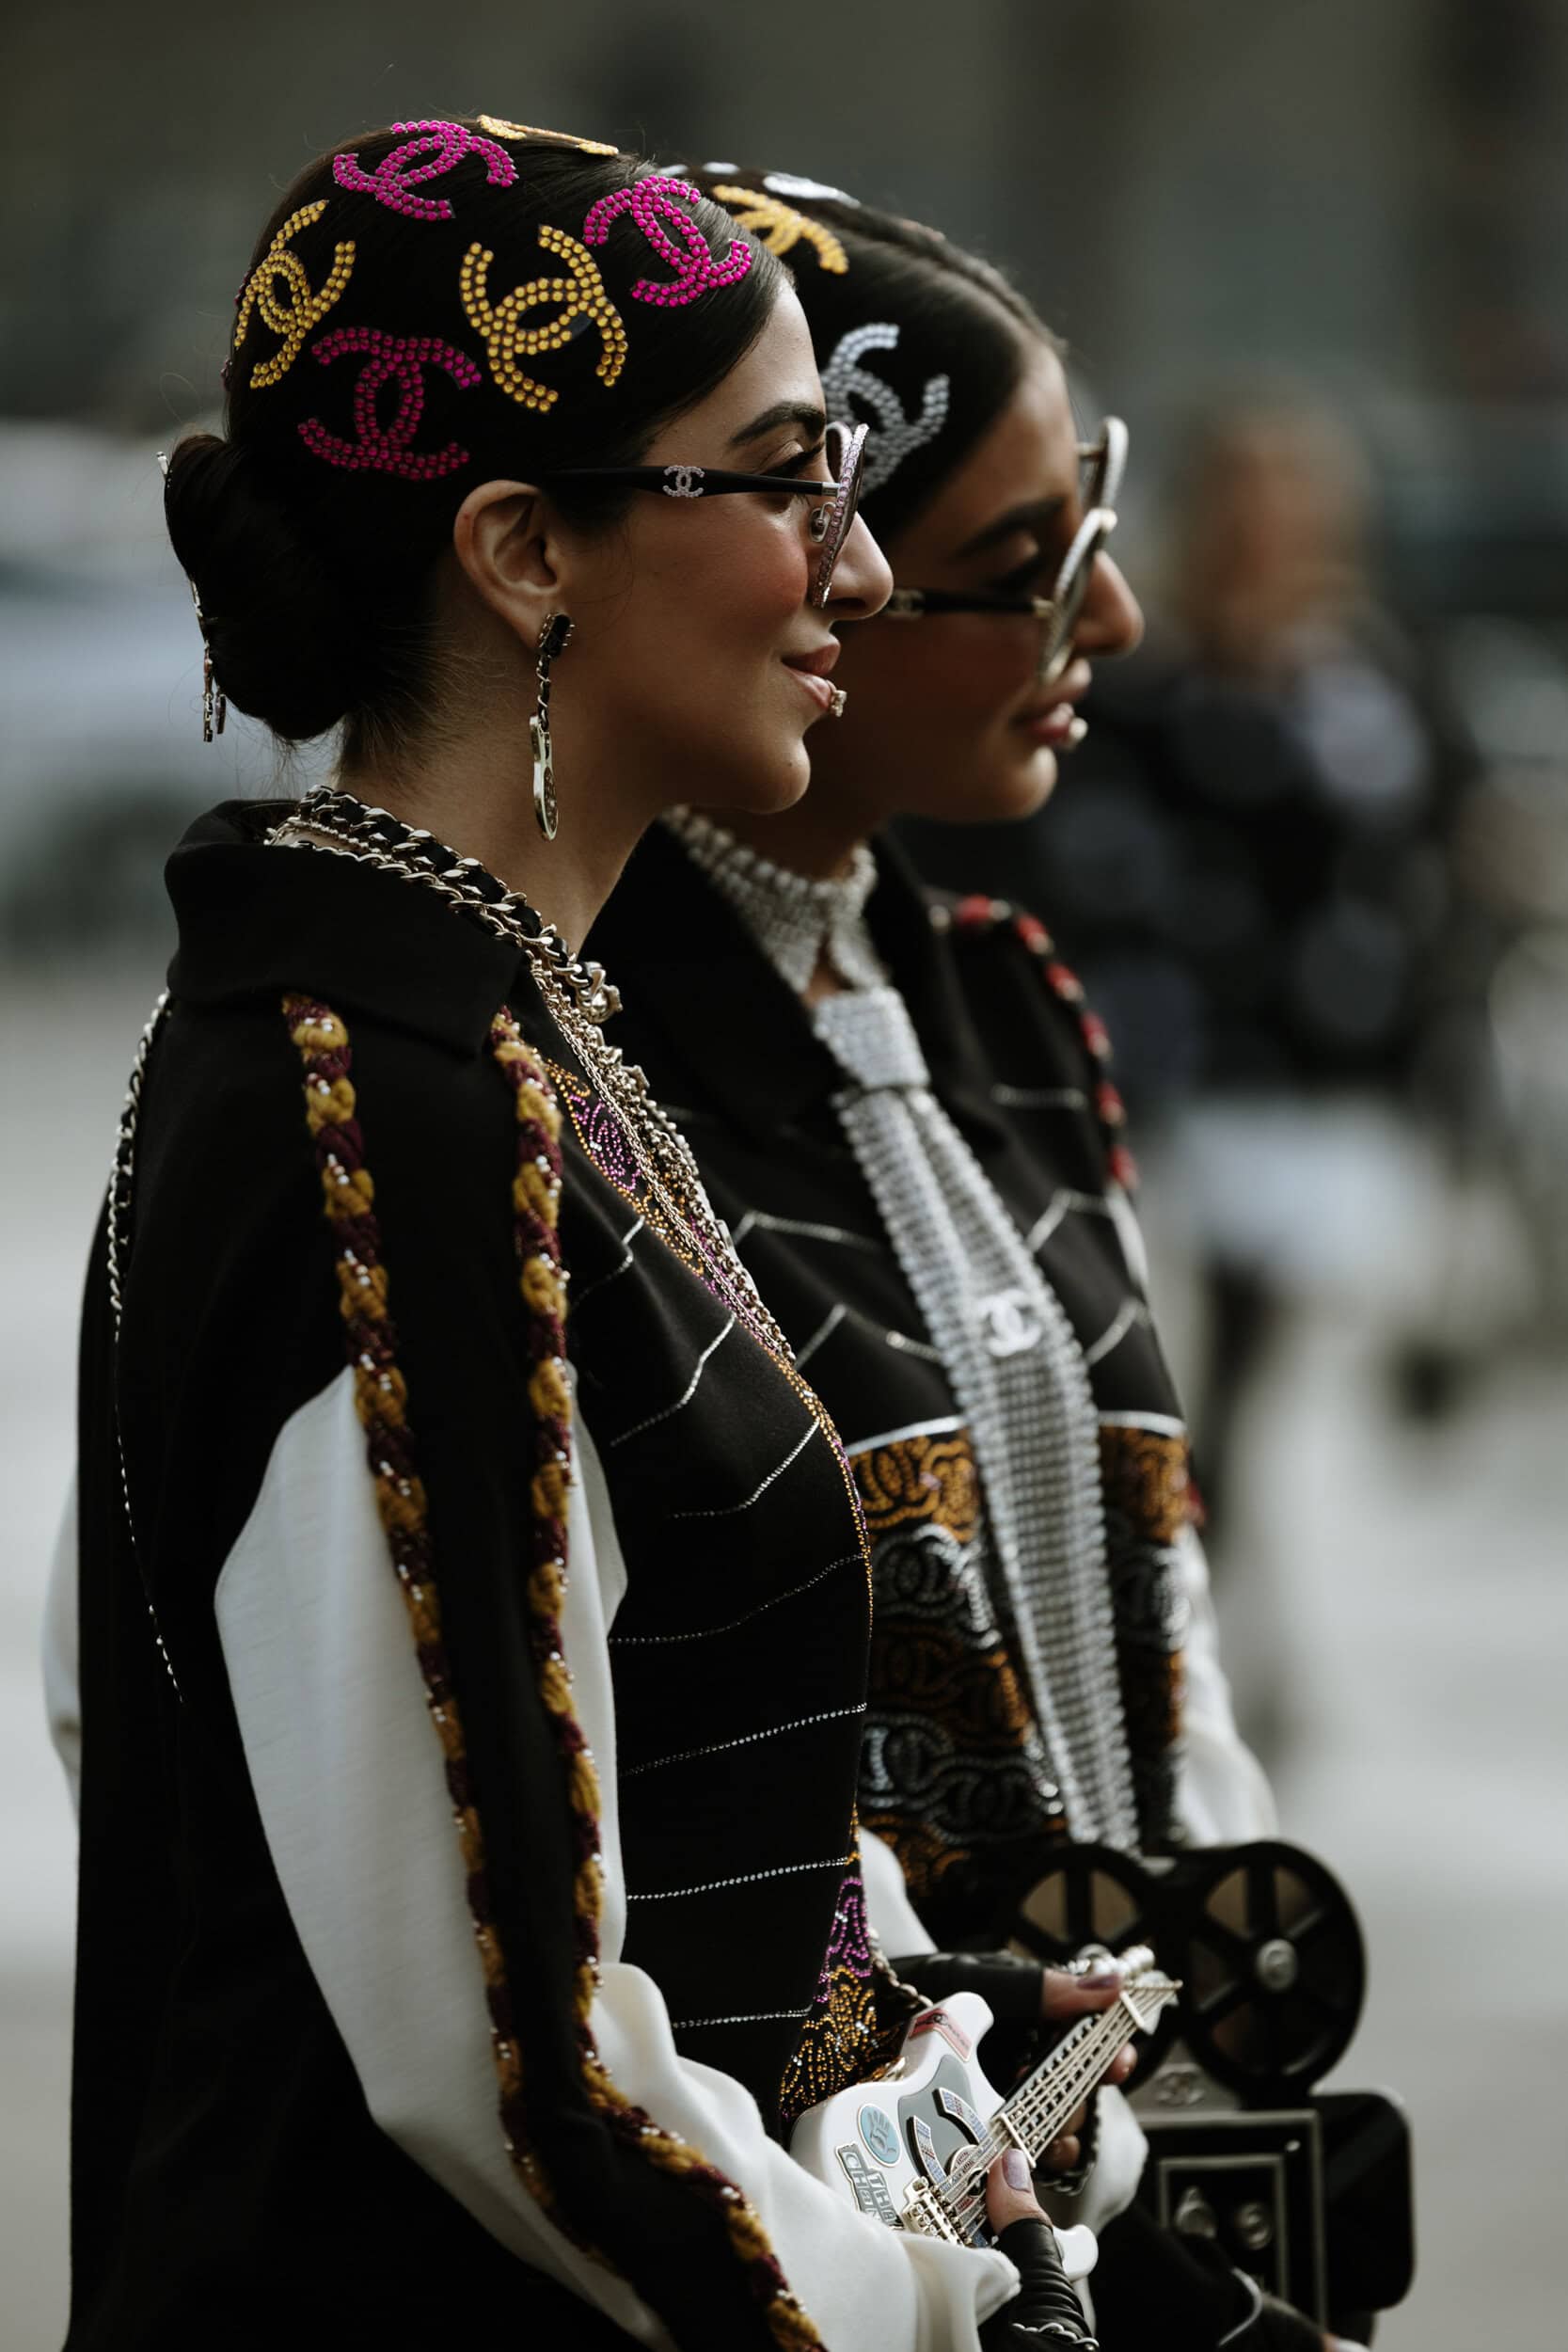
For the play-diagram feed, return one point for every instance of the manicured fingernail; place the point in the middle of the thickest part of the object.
(1015, 2169)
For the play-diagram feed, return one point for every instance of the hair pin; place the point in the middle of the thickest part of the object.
(500, 128)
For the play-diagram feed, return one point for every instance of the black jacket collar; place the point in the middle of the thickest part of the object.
(257, 922)
(687, 966)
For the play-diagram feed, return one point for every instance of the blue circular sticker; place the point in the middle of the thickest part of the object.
(880, 2134)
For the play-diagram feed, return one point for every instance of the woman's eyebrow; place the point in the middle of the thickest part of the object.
(799, 412)
(1037, 514)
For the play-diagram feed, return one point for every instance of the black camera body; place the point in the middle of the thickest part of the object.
(1308, 2191)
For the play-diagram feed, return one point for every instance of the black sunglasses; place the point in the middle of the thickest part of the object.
(844, 446)
(1106, 462)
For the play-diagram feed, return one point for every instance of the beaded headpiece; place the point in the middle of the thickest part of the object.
(280, 295)
(280, 291)
(895, 435)
(429, 150)
(388, 309)
(650, 203)
(781, 227)
(582, 299)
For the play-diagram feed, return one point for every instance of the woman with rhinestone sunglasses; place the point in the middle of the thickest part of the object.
(472, 1594)
(902, 1109)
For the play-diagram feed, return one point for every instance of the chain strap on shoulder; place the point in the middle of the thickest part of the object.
(117, 1240)
(580, 1000)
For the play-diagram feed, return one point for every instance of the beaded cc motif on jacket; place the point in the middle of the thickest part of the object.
(856, 2027)
(1147, 1504)
(953, 1772)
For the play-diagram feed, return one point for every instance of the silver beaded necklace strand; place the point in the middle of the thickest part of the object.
(580, 999)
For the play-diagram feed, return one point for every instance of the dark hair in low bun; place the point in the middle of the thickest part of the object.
(377, 375)
(280, 633)
(950, 318)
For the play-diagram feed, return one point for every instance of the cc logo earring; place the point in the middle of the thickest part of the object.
(554, 637)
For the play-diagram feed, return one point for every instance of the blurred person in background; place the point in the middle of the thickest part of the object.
(902, 1108)
(395, 2013)
(1251, 869)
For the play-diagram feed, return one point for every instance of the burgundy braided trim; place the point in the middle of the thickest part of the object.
(975, 915)
(381, 1399)
(536, 1200)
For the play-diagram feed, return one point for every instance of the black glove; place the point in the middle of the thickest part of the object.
(1044, 2313)
(1010, 1987)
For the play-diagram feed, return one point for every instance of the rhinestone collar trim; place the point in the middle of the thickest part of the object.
(796, 921)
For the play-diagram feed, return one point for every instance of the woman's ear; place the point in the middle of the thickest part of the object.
(504, 541)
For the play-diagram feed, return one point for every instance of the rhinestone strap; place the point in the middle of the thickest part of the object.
(1020, 1379)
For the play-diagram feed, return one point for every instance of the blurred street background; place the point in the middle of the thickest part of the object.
(1312, 860)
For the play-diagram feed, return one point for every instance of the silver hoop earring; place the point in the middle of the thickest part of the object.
(554, 637)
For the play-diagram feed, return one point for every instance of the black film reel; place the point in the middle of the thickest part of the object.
(1273, 1968)
(1097, 1895)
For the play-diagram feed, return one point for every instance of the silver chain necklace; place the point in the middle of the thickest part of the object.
(580, 1000)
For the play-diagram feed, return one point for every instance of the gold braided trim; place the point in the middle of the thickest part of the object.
(381, 1401)
(537, 1198)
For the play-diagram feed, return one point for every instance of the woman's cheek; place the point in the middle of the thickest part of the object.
(775, 578)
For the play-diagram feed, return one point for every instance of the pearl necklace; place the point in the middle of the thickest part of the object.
(796, 922)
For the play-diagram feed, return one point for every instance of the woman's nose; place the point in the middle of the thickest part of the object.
(1112, 620)
(862, 580)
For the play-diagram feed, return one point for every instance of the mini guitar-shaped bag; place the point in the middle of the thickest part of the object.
(912, 2148)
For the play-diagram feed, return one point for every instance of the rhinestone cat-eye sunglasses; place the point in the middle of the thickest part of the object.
(1105, 462)
(830, 524)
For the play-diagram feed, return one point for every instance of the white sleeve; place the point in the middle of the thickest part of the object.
(62, 1692)
(1129, 1233)
(1222, 1797)
(1120, 2153)
(1121, 2148)
(895, 1922)
(348, 1777)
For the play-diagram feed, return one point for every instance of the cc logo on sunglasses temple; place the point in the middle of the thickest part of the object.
(683, 481)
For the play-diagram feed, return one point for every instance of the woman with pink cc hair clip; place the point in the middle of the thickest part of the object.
(462, 1620)
(904, 1110)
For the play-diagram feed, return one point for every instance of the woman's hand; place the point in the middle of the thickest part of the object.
(1064, 1999)
(1045, 2307)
